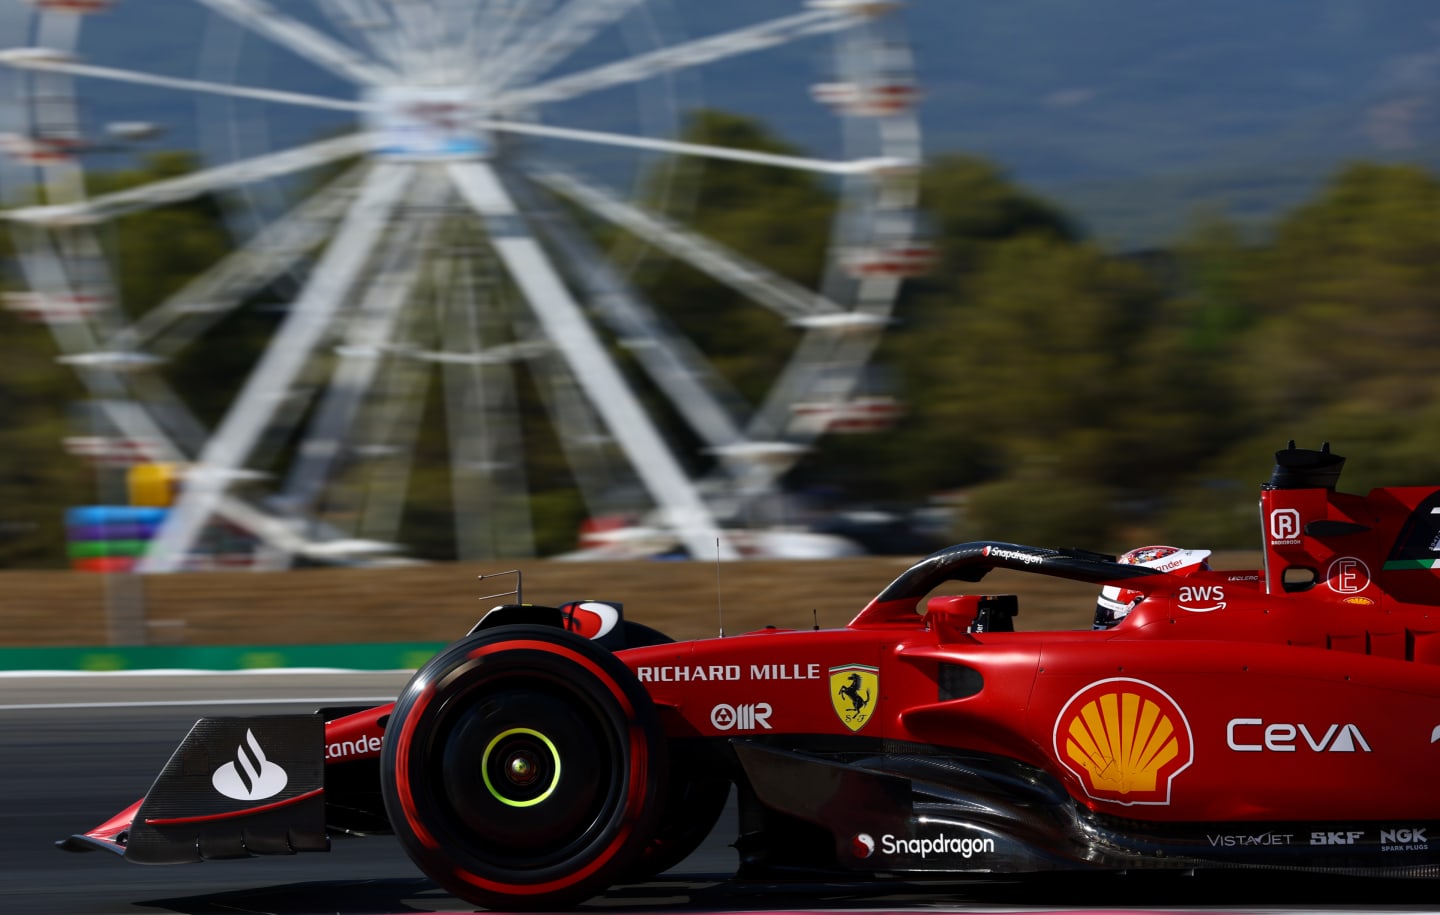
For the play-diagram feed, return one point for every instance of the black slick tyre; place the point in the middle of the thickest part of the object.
(524, 768)
(695, 798)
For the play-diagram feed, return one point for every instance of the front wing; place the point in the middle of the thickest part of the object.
(235, 787)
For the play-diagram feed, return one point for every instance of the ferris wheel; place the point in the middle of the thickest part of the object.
(450, 232)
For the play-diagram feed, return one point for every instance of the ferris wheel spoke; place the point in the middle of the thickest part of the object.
(262, 18)
(553, 39)
(360, 354)
(602, 475)
(702, 150)
(495, 29)
(565, 325)
(589, 449)
(681, 56)
(138, 425)
(152, 431)
(86, 262)
(170, 326)
(370, 20)
(487, 455)
(761, 284)
(274, 532)
(390, 428)
(170, 413)
(677, 368)
(195, 184)
(825, 370)
(15, 57)
(421, 31)
(43, 267)
(307, 322)
(57, 31)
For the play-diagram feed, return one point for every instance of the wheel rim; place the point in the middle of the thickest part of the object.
(522, 766)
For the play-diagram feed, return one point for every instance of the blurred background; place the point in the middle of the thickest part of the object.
(368, 282)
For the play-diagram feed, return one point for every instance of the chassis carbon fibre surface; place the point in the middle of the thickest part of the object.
(914, 809)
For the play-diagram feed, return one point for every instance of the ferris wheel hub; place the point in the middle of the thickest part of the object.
(870, 8)
(427, 124)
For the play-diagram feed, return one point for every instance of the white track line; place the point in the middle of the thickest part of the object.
(182, 703)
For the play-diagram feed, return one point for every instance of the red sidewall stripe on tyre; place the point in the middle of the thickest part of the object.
(638, 772)
(570, 653)
(402, 767)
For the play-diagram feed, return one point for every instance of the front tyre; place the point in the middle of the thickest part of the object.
(523, 768)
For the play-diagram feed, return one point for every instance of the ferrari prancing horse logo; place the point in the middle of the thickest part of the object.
(853, 688)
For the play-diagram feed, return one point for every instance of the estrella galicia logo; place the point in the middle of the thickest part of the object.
(591, 618)
(853, 688)
(251, 777)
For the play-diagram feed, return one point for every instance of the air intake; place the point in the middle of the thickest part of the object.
(1302, 468)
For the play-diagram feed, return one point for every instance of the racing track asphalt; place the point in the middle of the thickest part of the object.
(74, 750)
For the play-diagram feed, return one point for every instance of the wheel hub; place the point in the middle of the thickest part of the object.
(515, 765)
(526, 770)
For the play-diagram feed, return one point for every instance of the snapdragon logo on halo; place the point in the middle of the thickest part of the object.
(1002, 553)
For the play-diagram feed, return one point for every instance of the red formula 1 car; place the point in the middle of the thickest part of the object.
(1286, 717)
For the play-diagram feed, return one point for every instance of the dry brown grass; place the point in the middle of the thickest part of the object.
(440, 602)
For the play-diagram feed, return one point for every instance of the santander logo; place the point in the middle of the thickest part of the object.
(251, 777)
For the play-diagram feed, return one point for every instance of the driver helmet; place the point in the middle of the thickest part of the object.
(1115, 602)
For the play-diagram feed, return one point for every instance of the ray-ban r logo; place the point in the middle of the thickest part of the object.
(1284, 524)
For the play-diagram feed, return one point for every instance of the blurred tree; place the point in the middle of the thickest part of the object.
(969, 207)
(1356, 327)
(160, 250)
(1074, 396)
(1065, 387)
(969, 203)
(777, 217)
(1018, 333)
(37, 478)
(1331, 339)
(1037, 372)
(1349, 296)
(174, 242)
(155, 252)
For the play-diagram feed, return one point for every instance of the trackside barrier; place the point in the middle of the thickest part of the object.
(357, 656)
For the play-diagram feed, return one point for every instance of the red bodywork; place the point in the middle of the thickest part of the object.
(1305, 692)
(1316, 701)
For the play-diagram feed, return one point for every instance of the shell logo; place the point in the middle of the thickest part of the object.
(1125, 740)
